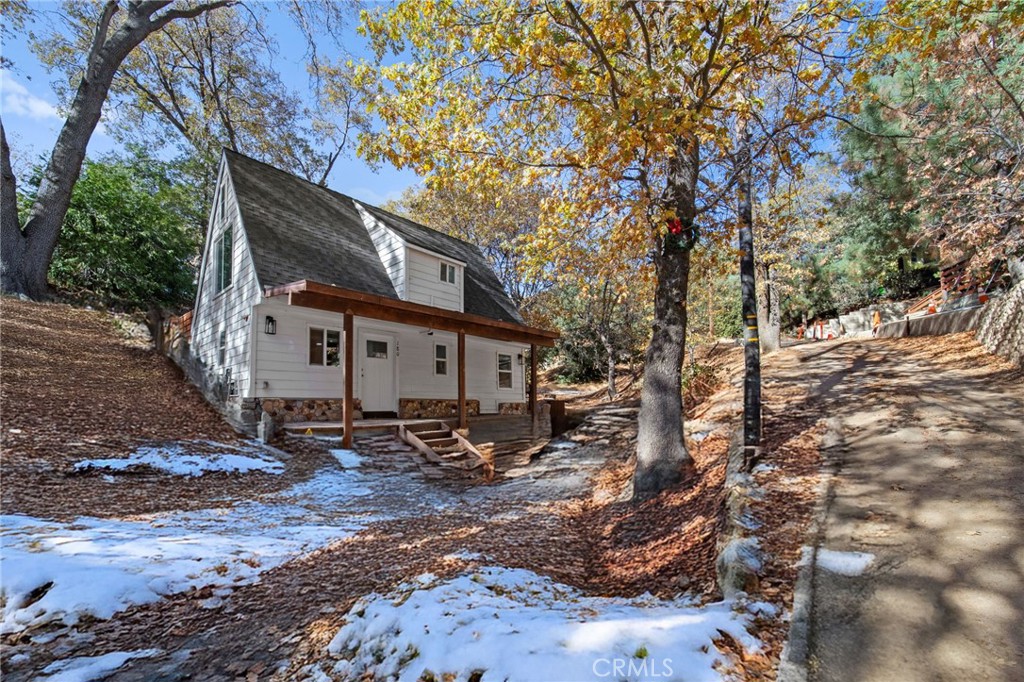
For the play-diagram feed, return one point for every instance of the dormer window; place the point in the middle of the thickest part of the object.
(447, 273)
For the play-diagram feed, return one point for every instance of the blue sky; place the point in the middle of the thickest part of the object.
(32, 121)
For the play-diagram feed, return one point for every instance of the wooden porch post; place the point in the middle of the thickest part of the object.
(533, 378)
(463, 417)
(349, 405)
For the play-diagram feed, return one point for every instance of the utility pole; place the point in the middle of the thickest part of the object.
(752, 347)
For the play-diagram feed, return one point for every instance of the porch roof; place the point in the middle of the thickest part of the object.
(321, 296)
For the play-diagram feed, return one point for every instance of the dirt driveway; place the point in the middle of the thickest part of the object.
(928, 491)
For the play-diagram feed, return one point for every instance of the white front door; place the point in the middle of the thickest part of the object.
(376, 353)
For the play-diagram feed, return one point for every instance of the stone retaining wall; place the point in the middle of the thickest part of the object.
(1001, 325)
(951, 322)
(860, 320)
(434, 408)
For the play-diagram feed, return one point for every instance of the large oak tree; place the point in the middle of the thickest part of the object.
(191, 75)
(626, 108)
(26, 250)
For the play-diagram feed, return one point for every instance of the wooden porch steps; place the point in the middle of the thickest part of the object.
(446, 447)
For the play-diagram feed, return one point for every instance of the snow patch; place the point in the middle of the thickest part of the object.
(176, 460)
(88, 668)
(348, 459)
(516, 625)
(60, 572)
(844, 563)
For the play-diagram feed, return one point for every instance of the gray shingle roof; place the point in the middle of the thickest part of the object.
(298, 230)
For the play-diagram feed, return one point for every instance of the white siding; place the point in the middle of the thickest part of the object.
(390, 248)
(227, 310)
(424, 285)
(282, 359)
(282, 369)
(482, 373)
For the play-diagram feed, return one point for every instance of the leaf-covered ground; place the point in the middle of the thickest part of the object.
(565, 515)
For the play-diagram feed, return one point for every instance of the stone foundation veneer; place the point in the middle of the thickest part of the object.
(288, 410)
(431, 408)
(512, 408)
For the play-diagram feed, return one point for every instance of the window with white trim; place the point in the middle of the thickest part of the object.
(504, 370)
(440, 359)
(222, 253)
(447, 273)
(324, 347)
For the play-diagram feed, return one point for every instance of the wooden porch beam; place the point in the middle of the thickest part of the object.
(336, 299)
(349, 406)
(463, 417)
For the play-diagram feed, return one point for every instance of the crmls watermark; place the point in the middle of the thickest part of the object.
(631, 668)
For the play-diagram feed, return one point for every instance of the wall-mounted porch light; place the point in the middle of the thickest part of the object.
(271, 325)
(520, 358)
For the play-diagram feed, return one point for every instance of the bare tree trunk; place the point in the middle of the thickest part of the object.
(609, 350)
(27, 250)
(661, 456)
(769, 319)
(12, 241)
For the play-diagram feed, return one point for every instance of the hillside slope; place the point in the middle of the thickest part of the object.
(73, 388)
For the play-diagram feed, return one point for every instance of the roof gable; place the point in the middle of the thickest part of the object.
(301, 231)
(483, 292)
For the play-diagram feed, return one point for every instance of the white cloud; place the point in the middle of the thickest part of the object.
(16, 99)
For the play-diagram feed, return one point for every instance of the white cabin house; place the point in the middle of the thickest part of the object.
(299, 284)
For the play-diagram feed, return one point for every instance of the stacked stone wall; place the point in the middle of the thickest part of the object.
(288, 410)
(1001, 327)
(434, 408)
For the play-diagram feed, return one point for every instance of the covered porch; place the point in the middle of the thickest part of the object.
(352, 304)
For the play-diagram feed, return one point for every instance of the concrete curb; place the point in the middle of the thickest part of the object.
(794, 658)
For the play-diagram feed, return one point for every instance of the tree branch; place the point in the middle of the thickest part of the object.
(100, 39)
(159, 22)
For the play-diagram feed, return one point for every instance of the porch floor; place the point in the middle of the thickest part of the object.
(489, 430)
(324, 427)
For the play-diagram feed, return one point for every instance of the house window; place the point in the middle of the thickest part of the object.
(504, 370)
(324, 347)
(377, 349)
(440, 359)
(448, 273)
(221, 208)
(222, 259)
(222, 347)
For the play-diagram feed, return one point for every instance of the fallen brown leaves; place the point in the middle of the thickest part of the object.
(73, 388)
(952, 351)
(665, 545)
